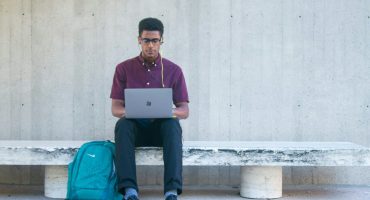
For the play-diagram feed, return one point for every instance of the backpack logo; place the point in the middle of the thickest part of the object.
(91, 155)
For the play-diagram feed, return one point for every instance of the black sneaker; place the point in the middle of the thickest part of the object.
(171, 197)
(132, 197)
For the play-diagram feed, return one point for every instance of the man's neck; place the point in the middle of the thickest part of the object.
(149, 60)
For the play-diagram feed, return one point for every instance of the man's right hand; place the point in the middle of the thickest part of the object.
(118, 109)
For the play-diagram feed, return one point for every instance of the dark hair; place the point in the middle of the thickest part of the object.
(150, 24)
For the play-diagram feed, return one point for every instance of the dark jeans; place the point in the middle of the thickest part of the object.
(131, 133)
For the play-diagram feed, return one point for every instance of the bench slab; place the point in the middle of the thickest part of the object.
(201, 153)
(261, 162)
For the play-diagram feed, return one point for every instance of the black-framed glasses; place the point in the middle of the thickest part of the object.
(154, 41)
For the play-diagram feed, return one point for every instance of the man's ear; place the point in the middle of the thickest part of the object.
(139, 40)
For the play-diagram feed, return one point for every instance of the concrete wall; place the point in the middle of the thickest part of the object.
(294, 70)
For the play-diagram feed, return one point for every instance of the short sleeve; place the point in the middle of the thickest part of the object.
(119, 84)
(180, 92)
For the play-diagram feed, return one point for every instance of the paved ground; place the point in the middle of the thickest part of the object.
(306, 192)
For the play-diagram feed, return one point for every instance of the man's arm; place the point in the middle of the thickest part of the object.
(118, 110)
(182, 110)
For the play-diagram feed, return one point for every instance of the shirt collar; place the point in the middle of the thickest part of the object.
(156, 63)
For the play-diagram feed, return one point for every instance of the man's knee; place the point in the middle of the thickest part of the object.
(124, 123)
(124, 128)
(170, 123)
(171, 127)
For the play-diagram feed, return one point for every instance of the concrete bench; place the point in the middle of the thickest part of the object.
(261, 162)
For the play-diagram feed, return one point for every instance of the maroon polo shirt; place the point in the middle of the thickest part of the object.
(136, 73)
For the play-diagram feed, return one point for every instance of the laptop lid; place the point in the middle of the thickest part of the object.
(148, 103)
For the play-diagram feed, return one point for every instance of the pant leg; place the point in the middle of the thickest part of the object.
(125, 136)
(171, 134)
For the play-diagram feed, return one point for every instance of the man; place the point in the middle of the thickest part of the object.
(145, 71)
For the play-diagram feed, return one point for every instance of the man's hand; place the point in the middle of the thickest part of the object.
(181, 111)
(118, 110)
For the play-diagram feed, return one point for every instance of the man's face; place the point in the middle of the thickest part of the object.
(150, 42)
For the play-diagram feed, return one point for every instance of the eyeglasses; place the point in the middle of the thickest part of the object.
(154, 41)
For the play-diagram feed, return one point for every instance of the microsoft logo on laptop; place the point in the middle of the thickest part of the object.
(148, 103)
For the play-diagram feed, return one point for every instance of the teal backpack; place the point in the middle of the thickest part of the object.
(92, 175)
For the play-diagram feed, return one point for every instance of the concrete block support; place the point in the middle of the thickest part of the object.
(261, 182)
(56, 179)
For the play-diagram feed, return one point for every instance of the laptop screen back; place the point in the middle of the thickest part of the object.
(148, 103)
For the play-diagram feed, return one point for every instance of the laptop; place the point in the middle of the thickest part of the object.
(148, 103)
